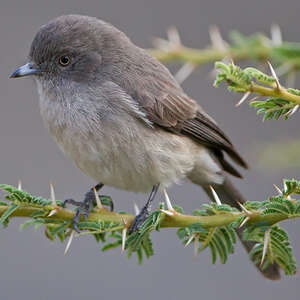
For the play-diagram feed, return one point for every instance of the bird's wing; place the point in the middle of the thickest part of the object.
(168, 107)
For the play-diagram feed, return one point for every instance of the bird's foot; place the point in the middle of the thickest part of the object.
(85, 207)
(139, 220)
(145, 212)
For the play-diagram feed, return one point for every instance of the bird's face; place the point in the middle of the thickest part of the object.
(64, 52)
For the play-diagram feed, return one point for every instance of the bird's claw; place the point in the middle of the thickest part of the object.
(138, 221)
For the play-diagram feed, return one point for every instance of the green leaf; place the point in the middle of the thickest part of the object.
(219, 240)
(278, 248)
(8, 212)
(111, 246)
(27, 224)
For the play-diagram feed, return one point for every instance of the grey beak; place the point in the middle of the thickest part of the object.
(25, 70)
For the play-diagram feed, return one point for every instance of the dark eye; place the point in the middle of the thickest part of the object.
(64, 60)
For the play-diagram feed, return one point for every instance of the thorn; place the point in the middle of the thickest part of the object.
(291, 112)
(136, 209)
(196, 246)
(276, 35)
(246, 95)
(168, 201)
(190, 240)
(124, 233)
(167, 212)
(284, 187)
(98, 201)
(216, 38)
(173, 36)
(244, 222)
(216, 197)
(244, 209)
(254, 98)
(161, 44)
(274, 75)
(52, 212)
(19, 185)
(124, 221)
(266, 240)
(52, 194)
(69, 242)
(184, 72)
(277, 189)
(231, 61)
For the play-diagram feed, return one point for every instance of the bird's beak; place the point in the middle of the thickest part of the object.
(25, 70)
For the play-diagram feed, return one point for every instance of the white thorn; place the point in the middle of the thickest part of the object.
(52, 194)
(174, 36)
(190, 240)
(244, 208)
(254, 98)
(246, 95)
(168, 201)
(19, 185)
(276, 35)
(266, 240)
(274, 75)
(69, 242)
(216, 197)
(284, 187)
(167, 212)
(136, 209)
(52, 212)
(291, 112)
(162, 44)
(277, 189)
(184, 72)
(285, 190)
(98, 201)
(244, 222)
(216, 38)
(196, 246)
(124, 232)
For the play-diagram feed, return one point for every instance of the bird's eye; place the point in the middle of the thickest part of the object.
(64, 60)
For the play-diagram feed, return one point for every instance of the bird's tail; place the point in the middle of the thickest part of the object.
(230, 195)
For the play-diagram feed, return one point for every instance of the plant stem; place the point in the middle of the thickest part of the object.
(177, 220)
(210, 55)
(281, 93)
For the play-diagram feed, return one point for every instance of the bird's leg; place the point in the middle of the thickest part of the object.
(85, 207)
(143, 215)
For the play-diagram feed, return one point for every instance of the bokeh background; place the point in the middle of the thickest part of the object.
(32, 267)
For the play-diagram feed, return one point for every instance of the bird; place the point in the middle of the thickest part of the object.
(122, 118)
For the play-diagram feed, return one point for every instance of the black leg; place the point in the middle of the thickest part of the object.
(85, 207)
(143, 215)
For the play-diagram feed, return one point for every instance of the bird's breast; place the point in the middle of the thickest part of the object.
(126, 155)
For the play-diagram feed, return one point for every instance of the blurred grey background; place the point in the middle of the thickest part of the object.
(32, 267)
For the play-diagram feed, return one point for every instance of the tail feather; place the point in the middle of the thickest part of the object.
(231, 196)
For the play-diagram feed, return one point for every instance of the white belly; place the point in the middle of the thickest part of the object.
(129, 159)
(125, 153)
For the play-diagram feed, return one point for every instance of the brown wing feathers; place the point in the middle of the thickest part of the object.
(182, 115)
(167, 106)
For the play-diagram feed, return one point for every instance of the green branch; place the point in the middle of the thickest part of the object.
(214, 225)
(280, 102)
(254, 47)
(177, 220)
